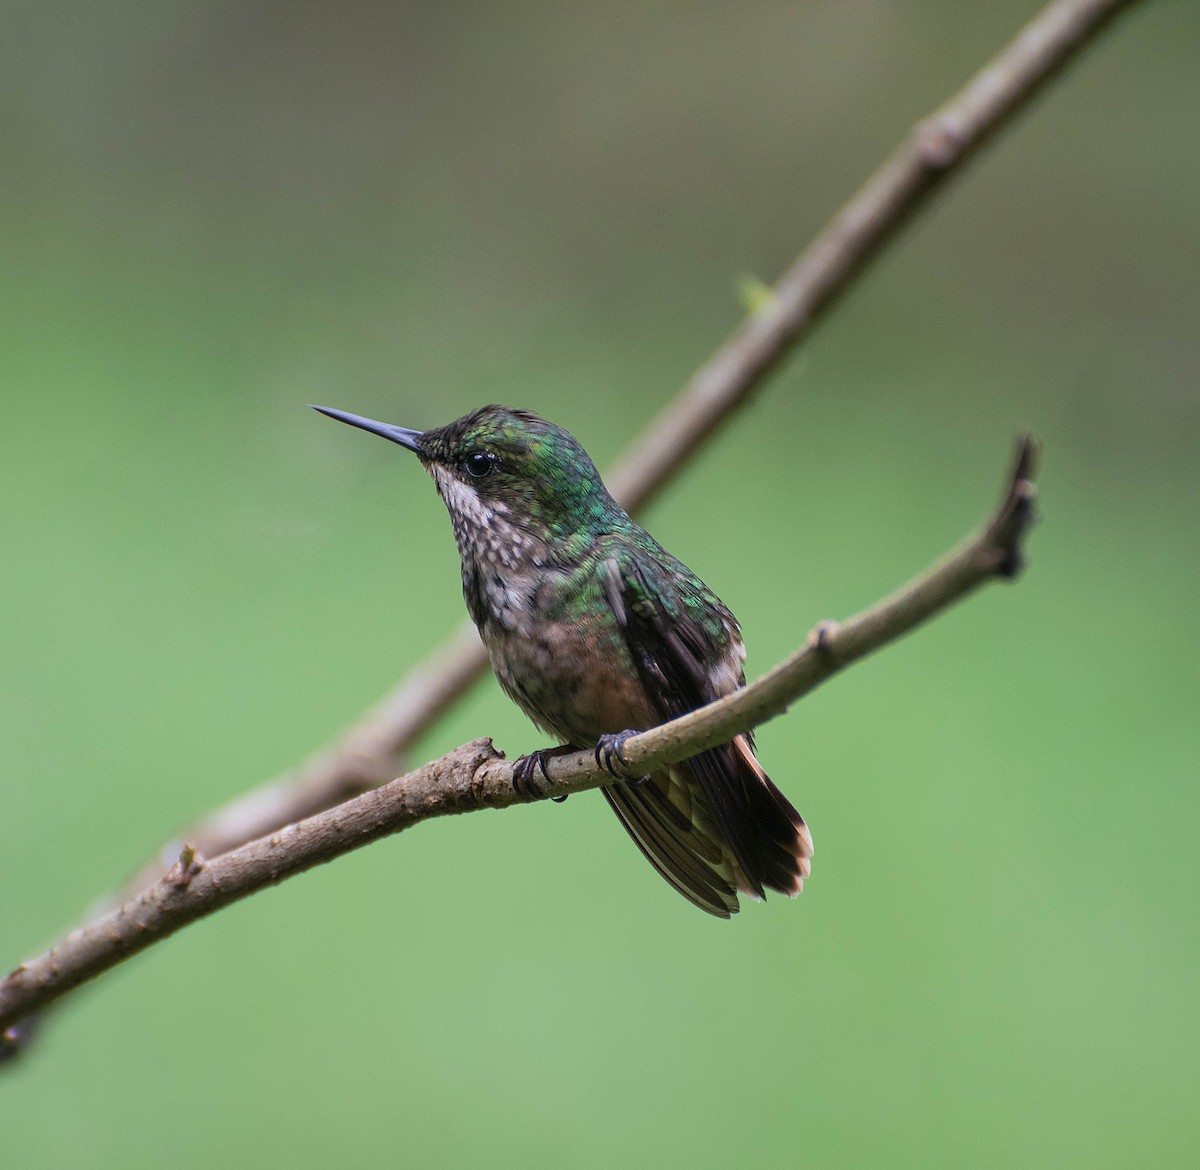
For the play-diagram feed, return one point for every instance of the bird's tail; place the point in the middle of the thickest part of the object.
(716, 825)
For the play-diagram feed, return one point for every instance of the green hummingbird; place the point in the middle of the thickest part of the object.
(595, 631)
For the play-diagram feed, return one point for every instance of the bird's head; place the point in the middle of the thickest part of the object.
(498, 462)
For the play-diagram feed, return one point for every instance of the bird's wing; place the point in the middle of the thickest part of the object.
(715, 823)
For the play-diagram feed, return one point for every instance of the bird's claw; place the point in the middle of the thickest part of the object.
(525, 783)
(609, 754)
(525, 771)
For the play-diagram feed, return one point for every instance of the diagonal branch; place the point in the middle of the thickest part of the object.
(374, 748)
(476, 776)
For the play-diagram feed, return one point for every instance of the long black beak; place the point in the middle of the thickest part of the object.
(402, 435)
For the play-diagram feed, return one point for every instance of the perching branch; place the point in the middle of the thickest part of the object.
(476, 776)
(374, 748)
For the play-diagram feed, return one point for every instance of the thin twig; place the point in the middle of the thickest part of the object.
(475, 776)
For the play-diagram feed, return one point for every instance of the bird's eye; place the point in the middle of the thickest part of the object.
(479, 463)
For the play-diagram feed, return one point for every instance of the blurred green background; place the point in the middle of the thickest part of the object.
(214, 213)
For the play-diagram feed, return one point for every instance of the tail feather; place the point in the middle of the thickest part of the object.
(777, 823)
(715, 826)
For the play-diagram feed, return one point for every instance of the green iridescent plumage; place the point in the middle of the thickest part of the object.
(539, 469)
(593, 628)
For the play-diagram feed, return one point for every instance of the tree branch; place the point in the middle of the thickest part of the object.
(373, 748)
(476, 776)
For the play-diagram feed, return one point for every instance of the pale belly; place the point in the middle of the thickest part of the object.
(576, 682)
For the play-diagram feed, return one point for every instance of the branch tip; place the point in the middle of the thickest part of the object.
(1025, 464)
(1016, 514)
(1001, 550)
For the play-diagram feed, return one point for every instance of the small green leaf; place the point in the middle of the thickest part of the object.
(753, 293)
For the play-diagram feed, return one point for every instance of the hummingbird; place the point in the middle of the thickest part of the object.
(596, 632)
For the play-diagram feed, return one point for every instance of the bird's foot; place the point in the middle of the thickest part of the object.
(609, 755)
(525, 782)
